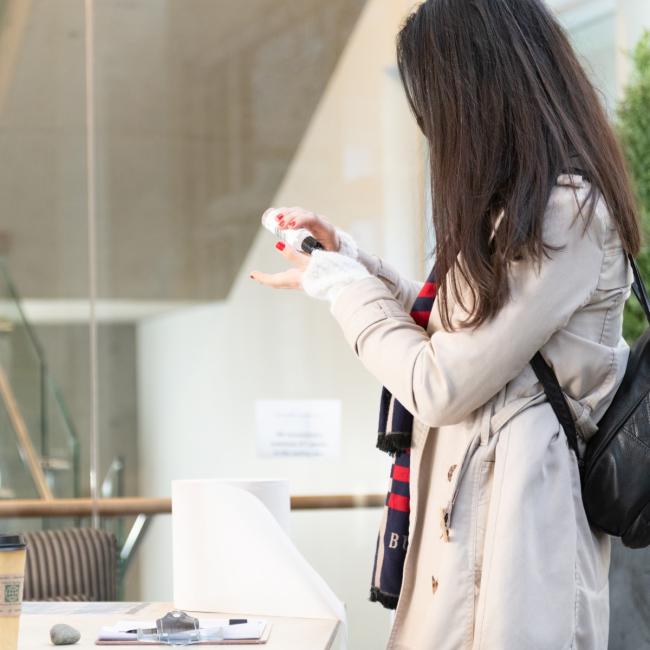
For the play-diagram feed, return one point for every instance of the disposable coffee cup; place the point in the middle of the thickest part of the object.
(12, 574)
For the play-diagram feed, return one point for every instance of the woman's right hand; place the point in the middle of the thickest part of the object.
(318, 226)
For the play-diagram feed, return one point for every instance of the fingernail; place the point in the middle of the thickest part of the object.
(251, 276)
(280, 245)
(278, 217)
(292, 223)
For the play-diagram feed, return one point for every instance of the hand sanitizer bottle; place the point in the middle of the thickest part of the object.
(300, 238)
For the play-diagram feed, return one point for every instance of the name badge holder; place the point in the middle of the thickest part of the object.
(178, 628)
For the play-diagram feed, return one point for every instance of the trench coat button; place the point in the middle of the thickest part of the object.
(450, 472)
(434, 584)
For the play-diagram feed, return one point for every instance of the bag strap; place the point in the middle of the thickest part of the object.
(549, 380)
(638, 288)
(545, 373)
(557, 400)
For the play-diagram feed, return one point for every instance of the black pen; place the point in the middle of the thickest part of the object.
(231, 621)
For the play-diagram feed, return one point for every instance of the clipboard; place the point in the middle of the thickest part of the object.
(262, 640)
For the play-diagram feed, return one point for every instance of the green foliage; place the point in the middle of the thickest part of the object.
(634, 132)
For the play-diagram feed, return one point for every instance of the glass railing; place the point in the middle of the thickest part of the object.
(34, 420)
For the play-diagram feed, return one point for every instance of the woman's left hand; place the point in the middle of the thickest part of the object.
(289, 279)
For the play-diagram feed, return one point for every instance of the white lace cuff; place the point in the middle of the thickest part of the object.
(328, 273)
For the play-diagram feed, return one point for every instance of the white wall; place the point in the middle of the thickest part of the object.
(201, 369)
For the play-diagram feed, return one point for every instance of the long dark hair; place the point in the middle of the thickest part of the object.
(506, 107)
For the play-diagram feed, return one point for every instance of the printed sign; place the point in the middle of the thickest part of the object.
(298, 428)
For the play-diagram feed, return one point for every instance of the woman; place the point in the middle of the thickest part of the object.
(533, 216)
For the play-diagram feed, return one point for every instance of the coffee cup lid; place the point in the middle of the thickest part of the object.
(11, 542)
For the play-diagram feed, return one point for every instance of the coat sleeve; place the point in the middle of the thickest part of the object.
(443, 377)
(404, 290)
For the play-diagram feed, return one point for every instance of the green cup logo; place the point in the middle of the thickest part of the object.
(12, 592)
(11, 595)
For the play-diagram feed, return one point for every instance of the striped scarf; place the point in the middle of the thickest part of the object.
(395, 427)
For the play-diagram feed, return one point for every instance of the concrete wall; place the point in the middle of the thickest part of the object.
(200, 106)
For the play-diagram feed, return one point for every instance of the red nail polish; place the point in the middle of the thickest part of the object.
(280, 245)
(251, 276)
(292, 223)
(278, 217)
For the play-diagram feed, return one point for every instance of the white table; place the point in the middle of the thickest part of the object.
(38, 618)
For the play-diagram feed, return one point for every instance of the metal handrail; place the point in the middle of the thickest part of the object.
(46, 380)
(133, 506)
(25, 443)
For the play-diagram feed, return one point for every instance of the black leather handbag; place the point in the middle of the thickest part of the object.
(615, 468)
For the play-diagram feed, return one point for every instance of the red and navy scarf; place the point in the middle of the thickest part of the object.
(395, 428)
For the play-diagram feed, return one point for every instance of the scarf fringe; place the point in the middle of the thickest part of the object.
(388, 601)
(393, 443)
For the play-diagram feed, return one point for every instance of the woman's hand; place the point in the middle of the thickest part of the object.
(289, 279)
(317, 225)
(293, 218)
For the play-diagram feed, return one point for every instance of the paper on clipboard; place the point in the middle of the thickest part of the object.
(231, 555)
(114, 639)
(252, 632)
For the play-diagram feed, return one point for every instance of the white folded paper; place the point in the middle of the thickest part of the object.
(231, 555)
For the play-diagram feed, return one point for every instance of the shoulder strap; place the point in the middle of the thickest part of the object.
(552, 386)
(557, 400)
(638, 288)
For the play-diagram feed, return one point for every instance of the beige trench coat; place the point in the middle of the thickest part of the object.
(501, 556)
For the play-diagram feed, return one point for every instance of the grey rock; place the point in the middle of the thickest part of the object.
(64, 635)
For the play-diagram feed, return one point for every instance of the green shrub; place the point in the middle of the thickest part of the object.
(634, 132)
